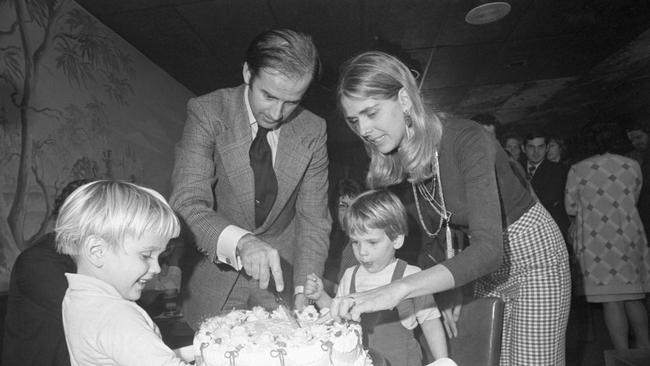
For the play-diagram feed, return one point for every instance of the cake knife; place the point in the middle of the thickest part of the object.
(283, 306)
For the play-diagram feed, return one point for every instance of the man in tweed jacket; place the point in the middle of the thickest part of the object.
(213, 183)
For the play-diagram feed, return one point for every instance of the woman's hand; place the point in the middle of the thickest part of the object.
(352, 306)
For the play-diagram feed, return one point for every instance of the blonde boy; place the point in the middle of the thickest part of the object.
(114, 231)
(376, 224)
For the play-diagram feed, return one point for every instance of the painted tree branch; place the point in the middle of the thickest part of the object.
(8, 158)
(48, 208)
(11, 30)
(45, 14)
(10, 48)
(50, 112)
(10, 250)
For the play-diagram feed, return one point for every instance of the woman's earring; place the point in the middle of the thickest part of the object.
(408, 120)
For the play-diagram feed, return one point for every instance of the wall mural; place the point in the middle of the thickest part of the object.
(76, 101)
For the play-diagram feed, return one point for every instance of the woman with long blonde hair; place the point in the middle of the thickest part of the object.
(460, 178)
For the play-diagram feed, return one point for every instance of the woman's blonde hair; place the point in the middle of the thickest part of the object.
(112, 210)
(376, 209)
(381, 76)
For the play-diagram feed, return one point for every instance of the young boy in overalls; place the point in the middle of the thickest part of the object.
(376, 224)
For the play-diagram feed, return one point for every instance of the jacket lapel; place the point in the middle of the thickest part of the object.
(539, 172)
(233, 145)
(291, 161)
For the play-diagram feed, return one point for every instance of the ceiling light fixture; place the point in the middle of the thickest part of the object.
(487, 12)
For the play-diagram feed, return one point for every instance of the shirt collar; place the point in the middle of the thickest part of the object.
(535, 165)
(252, 123)
(82, 282)
(251, 116)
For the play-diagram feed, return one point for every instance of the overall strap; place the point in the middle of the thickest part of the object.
(399, 270)
(353, 280)
(398, 273)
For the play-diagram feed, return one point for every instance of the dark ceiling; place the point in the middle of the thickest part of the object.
(512, 68)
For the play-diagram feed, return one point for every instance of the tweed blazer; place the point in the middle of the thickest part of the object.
(213, 187)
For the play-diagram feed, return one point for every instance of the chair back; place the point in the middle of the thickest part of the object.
(479, 333)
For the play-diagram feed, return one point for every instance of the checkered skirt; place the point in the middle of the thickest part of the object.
(535, 283)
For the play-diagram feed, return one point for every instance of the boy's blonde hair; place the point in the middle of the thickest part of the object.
(112, 210)
(376, 209)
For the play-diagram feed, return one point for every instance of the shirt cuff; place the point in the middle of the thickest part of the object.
(227, 246)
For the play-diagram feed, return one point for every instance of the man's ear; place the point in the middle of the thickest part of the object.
(246, 72)
(94, 249)
(404, 99)
(398, 242)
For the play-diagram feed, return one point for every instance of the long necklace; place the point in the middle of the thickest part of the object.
(429, 197)
(438, 207)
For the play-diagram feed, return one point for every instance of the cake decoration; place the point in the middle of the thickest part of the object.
(255, 337)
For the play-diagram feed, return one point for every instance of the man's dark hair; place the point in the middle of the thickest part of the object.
(636, 126)
(287, 51)
(347, 187)
(344, 187)
(511, 135)
(534, 135)
(65, 192)
(604, 136)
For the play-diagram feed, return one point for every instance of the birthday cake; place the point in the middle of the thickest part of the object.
(256, 337)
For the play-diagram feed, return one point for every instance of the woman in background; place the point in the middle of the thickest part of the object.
(556, 150)
(512, 143)
(609, 242)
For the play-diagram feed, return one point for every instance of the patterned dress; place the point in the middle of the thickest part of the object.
(609, 241)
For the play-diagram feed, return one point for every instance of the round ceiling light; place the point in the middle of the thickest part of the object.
(487, 13)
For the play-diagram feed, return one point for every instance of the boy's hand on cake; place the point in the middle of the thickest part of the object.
(260, 261)
(300, 302)
(313, 287)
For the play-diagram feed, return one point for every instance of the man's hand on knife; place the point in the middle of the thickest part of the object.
(260, 261)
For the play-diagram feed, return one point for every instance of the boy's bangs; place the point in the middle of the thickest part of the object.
(359, 224)
(144, 214)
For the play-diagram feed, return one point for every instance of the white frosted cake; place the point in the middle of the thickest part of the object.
(257, 337)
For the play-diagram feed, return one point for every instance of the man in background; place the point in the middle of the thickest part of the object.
(547, 179)
(638, 136)
(33, 333)
(250, 181)
(637, 133)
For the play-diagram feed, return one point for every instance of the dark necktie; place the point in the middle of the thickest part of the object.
(266, 185)
(531, 171)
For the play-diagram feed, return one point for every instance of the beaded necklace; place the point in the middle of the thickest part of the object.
(438, 207)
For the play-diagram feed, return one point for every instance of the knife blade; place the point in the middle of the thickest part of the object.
(284, 307)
